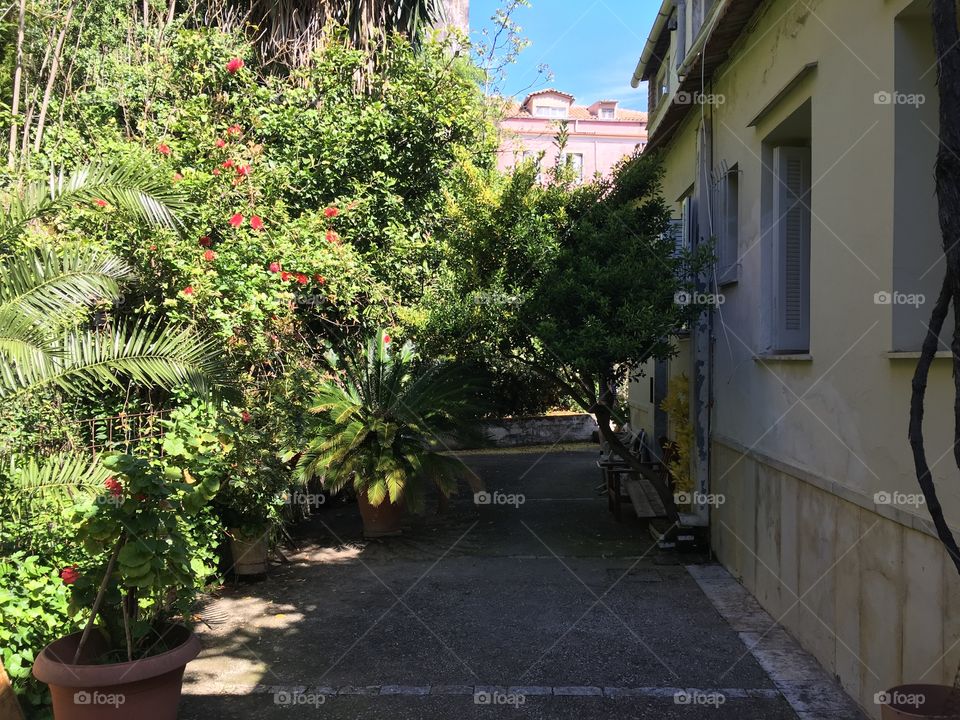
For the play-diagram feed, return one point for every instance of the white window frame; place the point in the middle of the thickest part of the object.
(608, 114)
(571, 158)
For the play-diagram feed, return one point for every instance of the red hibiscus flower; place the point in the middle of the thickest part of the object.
(188, 290)
(163, 149)
(220, 142)
(177, 177)
(69, 575)
(244, 170)
(332, 237)
(302, 279)
(114, 486)
(228, 163)
(205, 241)
(386, 338)
(234, 64)
(256, 222)
(236, 220)
(284, 275)
(331, 212)
(234, 130)
(100, 203)
(320, 279)
(209, 256)
(216, 171)
(246, 417)
(274, 267)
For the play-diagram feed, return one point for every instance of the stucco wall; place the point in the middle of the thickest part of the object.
(832, 426)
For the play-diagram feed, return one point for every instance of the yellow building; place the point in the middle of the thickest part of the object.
(800, 138)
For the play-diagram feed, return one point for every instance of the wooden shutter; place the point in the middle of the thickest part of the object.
(689, 223)
(791, 235)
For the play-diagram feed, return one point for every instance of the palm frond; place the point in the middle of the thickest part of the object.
(139, 191)
(149, 355)
(53, 482)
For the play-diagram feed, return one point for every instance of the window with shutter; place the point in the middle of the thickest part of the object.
(791, 235)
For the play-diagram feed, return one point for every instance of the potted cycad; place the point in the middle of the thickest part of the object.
(383, 421)
(135, 577)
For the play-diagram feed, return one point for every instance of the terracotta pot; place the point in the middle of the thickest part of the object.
(249, 556)
(380, 520)
(147, 689)
(912, 702)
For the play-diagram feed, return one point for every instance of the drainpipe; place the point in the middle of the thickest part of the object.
(666, 10)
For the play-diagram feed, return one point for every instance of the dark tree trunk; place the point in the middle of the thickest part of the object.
(946, 38)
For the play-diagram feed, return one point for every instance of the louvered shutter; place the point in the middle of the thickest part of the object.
(681, 51)
(792, 248)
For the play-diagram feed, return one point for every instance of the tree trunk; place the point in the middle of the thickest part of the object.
(17, 81)
(52, 78)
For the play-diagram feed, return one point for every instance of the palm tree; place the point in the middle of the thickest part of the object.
(384, 422)
(291, 30)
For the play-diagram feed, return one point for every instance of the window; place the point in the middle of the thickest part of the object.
(549, 111)
(608, 113)
(791, 249)
(575, 160)
(727, 226)
(537, 158)
(681, 51)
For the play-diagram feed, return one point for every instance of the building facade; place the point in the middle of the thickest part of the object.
(600, 135)
(800, 140)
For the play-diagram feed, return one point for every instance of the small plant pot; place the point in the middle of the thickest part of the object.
(916, 702)
(249, 554)
(147, 689)
(380, 520)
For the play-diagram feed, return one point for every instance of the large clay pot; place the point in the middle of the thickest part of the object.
(913, 702)
(249, 555)
(380, 520)
(147, 689)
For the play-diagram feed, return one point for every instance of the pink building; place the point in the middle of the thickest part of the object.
(599, 134)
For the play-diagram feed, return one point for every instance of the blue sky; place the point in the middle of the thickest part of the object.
(591, 46)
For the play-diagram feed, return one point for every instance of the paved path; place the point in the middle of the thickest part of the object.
(546, 608)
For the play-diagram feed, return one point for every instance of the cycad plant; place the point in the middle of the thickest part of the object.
(385, 422)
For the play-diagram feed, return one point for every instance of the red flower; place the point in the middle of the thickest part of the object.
(302, 279)
(332, 237)
(284, 276)
(69, 575)
(234, 130)
(140, 496)
(177, 177)
(114, 486)
(331, 212)
(216, 171)
(188, 290)
(236, 220)
(246, 417)
(100, 203)
(153, 247)
(274, 267)
(220, 142)
(320, 279)
(244, 170)
(205, 241)
(256, 222)
(163, 149)
(209, 256)
(228, 163)
(386, 338)
(234, 64)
